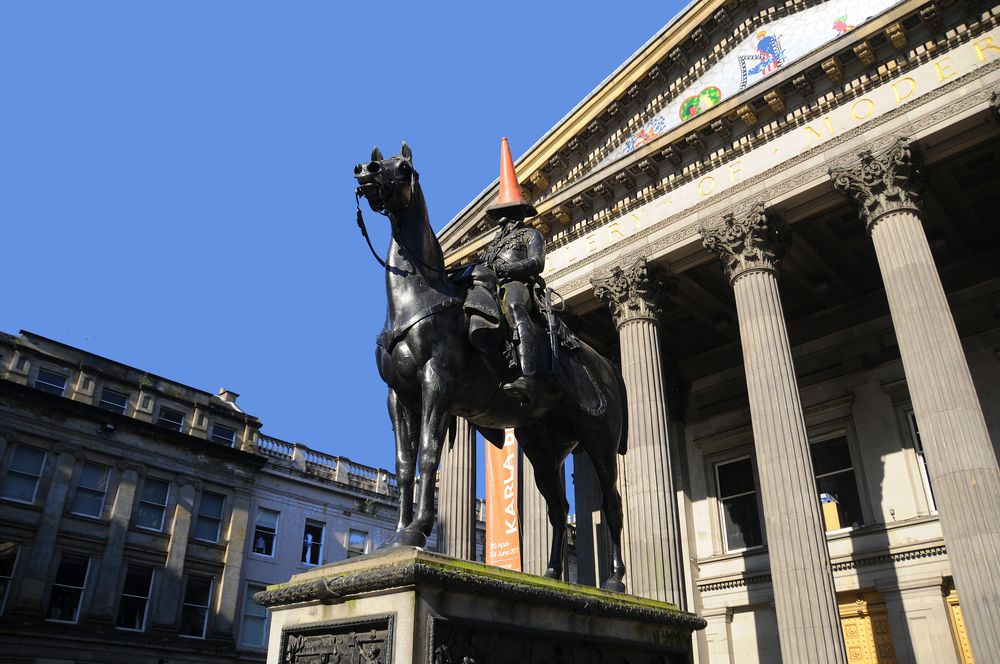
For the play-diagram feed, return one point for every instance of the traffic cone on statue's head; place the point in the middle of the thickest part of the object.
(510, 203)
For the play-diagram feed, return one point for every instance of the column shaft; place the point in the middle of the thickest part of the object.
(651, 516)
(44, 545)
(963, 468)
(110, 567)
(229, 585)
(457, 495)
(167, 607)
(960, 458)
(808, 619)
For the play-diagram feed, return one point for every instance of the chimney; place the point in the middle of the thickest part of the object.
(228, 396)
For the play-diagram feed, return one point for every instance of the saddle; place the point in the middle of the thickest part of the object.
(489, 332)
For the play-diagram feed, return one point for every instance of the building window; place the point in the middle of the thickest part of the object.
(51, 382)
(312, 543)
(68, 588)
(836, 484)
(170, 419)
(90, 490)
(23, 474)
(8, 560)
(209, 522)
(357, 543)
(194, 612)
(738, 501)
(152, 504)
(264, 531)
(918, 447)
(254, 629)
(113, 400)
(224, 435)
(135, 598)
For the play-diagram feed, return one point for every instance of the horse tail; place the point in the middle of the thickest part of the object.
(623, 439)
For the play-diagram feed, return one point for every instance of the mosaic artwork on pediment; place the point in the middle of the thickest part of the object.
(771, 46)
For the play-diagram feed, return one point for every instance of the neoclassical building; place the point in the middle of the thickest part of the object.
(781, 219)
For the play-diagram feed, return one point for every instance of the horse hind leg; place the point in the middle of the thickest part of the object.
(547, 464)
(604, 458)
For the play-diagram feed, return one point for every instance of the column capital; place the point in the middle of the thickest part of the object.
(881, 182)
(750, 241)
(633, 292)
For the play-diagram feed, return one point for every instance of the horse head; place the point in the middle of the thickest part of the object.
(387, 184)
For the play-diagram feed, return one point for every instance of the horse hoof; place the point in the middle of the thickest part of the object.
(407, 537)
(614, 585)
(552, 574)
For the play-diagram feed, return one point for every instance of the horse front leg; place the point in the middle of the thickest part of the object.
(436, 391)
(406, 460)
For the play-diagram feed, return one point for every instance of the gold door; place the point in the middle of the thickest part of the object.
(958, 628)
(865, 624)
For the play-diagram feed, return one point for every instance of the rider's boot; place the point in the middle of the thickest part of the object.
(524, 386)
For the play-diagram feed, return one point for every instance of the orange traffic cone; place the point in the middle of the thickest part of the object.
(510, 203)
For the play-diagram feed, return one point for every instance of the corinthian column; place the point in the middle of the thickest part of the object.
(650, 541)
(457, 495)
(960, 458)
(751, 247)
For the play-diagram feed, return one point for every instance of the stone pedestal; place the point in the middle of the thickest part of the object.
(409, 606)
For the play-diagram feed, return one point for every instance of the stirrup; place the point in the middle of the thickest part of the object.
(521, 389)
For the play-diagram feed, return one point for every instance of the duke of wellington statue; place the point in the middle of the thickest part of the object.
(478, 349)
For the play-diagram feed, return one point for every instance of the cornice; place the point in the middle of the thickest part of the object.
(638, 241)
(720, 119)
(647, 173)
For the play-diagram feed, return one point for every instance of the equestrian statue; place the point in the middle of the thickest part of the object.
(483, 342)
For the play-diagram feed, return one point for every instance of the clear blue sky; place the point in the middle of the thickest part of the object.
(176, 186)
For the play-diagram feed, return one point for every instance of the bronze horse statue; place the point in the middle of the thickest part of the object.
(434, 373)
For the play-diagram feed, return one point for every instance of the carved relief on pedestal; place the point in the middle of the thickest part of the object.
(365, 641)
(633, 292)
(749, 241)
(881, 182)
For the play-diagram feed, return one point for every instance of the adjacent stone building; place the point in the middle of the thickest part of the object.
(780, 219)
(138, 516)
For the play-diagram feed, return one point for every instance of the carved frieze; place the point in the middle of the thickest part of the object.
(633, 292)
(881, 182)
(750, 241)
(367, 641)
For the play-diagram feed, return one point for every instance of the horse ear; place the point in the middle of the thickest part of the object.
(407, 152)
(376, 154)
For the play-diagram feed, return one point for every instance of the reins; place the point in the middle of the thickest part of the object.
(402, 246)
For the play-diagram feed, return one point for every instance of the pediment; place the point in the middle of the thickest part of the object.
(706, 57)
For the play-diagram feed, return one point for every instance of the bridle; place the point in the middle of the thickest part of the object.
(385, 192)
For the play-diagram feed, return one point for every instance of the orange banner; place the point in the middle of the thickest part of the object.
(503, 531)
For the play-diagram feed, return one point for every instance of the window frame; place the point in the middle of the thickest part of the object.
(104, 494)
(353, 553)
(169, 424)
(249, 589)
(918, 451)
(228, 442)
(207, 607)
(274, 535)
(9, 579)
(83, 589)
(106, 405)
(10, 469)
(199, 516)
(303, 559)
(148, 598)
(833, 434)
(720, 501)
(141, 498)
(55, 372)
